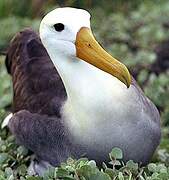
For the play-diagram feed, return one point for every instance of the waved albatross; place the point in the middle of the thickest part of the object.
(84, 103)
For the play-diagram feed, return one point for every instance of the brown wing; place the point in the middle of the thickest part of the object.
(38, 96)
(36, 84)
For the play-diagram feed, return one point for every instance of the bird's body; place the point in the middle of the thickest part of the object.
(101, 122)
(91, 111)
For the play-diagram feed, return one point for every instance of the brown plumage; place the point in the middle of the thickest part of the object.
(36, 84)
(38, 95)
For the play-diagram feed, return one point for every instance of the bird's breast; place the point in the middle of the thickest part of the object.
(101, 113)
(95, 110)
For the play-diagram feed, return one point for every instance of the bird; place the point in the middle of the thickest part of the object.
(73, 99)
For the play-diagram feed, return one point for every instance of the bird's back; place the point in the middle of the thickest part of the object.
(36, 84)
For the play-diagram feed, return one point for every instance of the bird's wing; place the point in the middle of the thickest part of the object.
(40, 133)
(38, 96)
(37, 85)
(147, 106)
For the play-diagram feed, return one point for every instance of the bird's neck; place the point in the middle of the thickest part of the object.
(86, 84)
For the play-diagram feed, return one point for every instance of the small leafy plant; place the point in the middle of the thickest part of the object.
(131, 35)
(83, 169)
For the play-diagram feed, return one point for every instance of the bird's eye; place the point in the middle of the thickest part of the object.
(59, 27)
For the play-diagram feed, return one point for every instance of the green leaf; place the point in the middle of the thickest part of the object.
(112, 173)
(120, 176)
(92, 163)
(22, 150)
(90, 173)
(3, 157)
(132, 166)
(162, 168)
(152, 167)
(116, 153)
(22, 169)
(61, 172)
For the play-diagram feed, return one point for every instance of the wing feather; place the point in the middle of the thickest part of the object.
(37, 85)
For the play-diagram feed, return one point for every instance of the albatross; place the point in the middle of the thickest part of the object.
(73, 99)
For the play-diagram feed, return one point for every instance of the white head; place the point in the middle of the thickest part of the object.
(60, 27)
(66, 33)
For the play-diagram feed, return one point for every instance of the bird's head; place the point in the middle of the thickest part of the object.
(67, 30)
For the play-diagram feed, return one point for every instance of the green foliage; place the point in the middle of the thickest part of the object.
(116, 153)
(15, 7)
(5, 85)
(83, 169)
(11, 25)
(132, 38)
(157, 89)
(130, 35)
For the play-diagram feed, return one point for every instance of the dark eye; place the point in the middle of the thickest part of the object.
(59, 27)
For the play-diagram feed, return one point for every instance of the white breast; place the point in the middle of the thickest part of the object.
(101, 113)
(98, 105)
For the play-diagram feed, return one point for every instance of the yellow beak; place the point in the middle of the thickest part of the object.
(89, 50)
